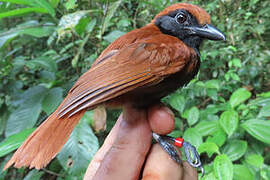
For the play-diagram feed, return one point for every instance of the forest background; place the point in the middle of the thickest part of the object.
(45, 45)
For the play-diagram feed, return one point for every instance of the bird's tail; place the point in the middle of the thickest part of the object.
(45, 142)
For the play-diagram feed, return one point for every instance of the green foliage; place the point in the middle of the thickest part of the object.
(239, 96)
(235, 149)
(223, 167)
(229, 121)
(45, 45)
(39, 6)
(241, 172)
(209, 147)
(82, 144)
(258, 129)
(14, 141)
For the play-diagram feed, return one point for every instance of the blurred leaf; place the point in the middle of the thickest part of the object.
(229, 121)
(235, 149)
(52, 99)
(44, 62)
(207, 127)
(265, 172)
(212, 93)
(235, 62)
(210, 110)
(21, 11)
(258, 129)
(54, 3)
(235, 76)
(24, 2)
(74, 61)
(14, 141)
(38, 4)
(219, 138)
(48, 76)
(112, 9)
(259, 102)
(255, 160)
(193, 136)
(5, 39)
(34, 175)
(81, 26)
(265, 111)
(214, 83)
(178, 123)
(176, 133)
(177, 102)
(79, 149)
(123, 23)
(71, 4)
(3, 118)
(265, 94)
(193, 115)
(113, 35)
(88, 117)
(33, 29)
(256, 146)
(241, 172)
(209, 147)
(90, 26)
(185, 114)
(28, 112)
(44, 4)
(223, 167)
(210, 176)
(68, 22)
(234, 49)
(239, 96)
(39, 32)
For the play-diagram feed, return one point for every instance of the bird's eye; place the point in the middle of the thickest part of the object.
(181, 18)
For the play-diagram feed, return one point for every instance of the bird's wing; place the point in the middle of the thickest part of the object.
(141, 63)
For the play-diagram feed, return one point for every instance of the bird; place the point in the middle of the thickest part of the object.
(139, 68)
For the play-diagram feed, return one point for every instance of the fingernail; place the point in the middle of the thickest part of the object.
(168, 110)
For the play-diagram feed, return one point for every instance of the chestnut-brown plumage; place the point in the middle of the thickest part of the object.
(140, 67)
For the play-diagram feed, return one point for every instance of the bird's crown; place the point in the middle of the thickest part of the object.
(200, 14)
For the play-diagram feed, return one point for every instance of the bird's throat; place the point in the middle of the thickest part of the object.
(193, 42)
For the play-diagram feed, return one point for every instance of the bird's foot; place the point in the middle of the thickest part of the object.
(168, 144)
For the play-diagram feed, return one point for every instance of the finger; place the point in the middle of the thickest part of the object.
(160, 166)
(127, 154)
(161, 119)
(190, 173)
(99, 156)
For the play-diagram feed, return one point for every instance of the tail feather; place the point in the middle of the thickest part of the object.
(45, 142)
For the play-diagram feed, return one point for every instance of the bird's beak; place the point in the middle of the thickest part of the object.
(208, 31)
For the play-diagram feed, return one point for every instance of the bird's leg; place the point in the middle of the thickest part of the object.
(191, 153)
(165, 143)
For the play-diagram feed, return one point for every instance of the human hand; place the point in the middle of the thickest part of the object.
(128, 147)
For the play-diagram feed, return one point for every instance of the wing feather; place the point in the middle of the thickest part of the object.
(114, 92)
(93, 96)
(120, 72)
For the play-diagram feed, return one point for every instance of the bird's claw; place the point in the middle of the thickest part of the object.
(168, 147)
(192, 156)
(191, 153)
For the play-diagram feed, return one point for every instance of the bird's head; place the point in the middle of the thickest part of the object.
(189, 23)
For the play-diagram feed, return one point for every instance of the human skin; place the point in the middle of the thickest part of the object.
(128, 147)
